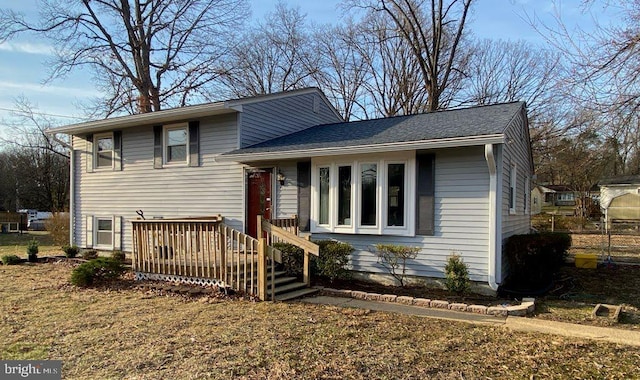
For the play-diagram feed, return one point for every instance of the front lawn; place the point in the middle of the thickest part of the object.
(16, 244)
(124, 332)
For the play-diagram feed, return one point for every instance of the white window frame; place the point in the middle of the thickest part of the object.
(356, 163)
(165, 144)
(96, 225)
(96, 145)
(513, 189)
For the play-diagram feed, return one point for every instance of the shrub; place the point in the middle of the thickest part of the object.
(32, 251)
(394, 259)
(58, 227)
(457, 275)
(90, 254)
(118, 255)
(70, 251)
(292, 258)
(11, 260)
(333, 260)
(96, 271)
(534, 259)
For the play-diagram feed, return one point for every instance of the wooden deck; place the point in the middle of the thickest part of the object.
(206, 251)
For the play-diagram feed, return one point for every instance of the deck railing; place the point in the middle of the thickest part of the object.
(201, 250)
(274, 234)
(289, 224)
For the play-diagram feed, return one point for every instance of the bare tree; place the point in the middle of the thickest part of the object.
(36, 166)
(507, 71)
(604, 76)
(343, 70)
(434, 31)
(144, 54)
(275, 56)
(395, 86)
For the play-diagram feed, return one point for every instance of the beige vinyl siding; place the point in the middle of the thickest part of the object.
(281, 116)
(212, 188)
(461, 220)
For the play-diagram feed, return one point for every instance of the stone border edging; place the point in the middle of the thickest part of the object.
(526, 307)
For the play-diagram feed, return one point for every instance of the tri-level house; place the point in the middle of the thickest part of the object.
(454, 181)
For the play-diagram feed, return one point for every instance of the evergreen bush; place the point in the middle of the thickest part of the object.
(534, 259)
(456, 275)
(11, 260)
(70, 251)
(97, 270)
(32, 251)
(292, 258)
(333, 260)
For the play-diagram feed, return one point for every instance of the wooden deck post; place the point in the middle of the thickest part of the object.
(262, 269)
(306, 278)
(259, 227)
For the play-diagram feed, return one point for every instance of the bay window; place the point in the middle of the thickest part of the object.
(366, 195)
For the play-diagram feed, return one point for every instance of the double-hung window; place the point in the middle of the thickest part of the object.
(513, 176)
(176, 147)
(366, 195)
(103, 151)
(104, 232)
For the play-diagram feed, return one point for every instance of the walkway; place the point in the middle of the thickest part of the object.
(606, 334)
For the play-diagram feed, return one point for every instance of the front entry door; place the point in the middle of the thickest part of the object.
(259, 199)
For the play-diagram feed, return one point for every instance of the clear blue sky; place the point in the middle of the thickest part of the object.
(22, 70)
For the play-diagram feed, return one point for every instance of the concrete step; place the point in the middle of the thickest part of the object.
(296, 294)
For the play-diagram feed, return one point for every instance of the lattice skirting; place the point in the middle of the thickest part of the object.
(181, 279)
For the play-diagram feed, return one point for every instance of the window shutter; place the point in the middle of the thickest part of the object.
(425, 200)
(194, 143)
(89, 153)
(117, 232)
(304, 195)
(89, 231)
(117, 150)
(157, 147)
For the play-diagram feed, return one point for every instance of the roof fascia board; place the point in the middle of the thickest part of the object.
(164, 116)
(375, 148)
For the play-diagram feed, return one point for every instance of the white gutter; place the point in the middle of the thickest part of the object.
(158, 117)
(361, 149)
(493, 214)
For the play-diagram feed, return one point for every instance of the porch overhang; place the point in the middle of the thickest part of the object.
(284, 153)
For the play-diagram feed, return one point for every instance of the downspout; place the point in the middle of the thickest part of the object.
(493, 211)
(72, 196)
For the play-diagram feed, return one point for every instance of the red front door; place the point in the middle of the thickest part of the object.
(259, 199)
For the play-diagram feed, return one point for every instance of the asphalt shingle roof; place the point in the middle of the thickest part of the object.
(465, 122)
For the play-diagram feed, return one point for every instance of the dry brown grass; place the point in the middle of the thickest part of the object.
(127, 333)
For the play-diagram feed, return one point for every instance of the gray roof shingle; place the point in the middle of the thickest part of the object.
(465, 122)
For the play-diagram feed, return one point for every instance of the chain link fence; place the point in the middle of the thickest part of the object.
(620, 242)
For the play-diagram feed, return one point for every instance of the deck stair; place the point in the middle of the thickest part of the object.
(288, 288)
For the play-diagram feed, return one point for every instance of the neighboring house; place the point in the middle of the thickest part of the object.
(620, 198)
(560, 195)
(453, 181)
(541, 196)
